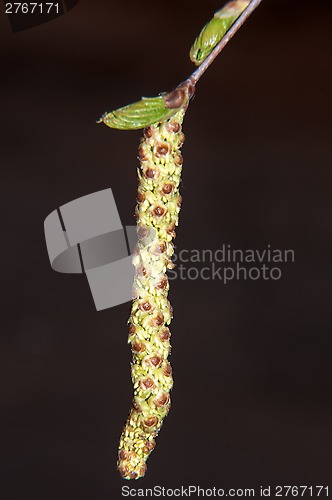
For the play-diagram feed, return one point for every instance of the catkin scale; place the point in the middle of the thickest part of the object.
(157, 210)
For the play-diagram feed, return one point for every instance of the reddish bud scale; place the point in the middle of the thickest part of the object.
(158, 204)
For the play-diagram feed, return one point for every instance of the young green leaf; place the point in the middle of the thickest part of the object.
(216, 29)
(139, 114)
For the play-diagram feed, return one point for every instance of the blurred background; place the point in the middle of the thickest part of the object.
(251, 403)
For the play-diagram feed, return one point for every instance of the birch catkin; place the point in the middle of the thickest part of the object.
(156, 211)
(158, 206)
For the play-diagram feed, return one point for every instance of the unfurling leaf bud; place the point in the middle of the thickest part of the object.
(216, 29)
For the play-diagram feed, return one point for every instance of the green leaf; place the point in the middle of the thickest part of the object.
(216, 29)
(139, 114)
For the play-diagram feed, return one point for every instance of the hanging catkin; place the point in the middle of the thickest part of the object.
(158, 206)
(157, 210)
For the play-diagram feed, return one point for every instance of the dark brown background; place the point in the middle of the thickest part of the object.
(252, 360)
